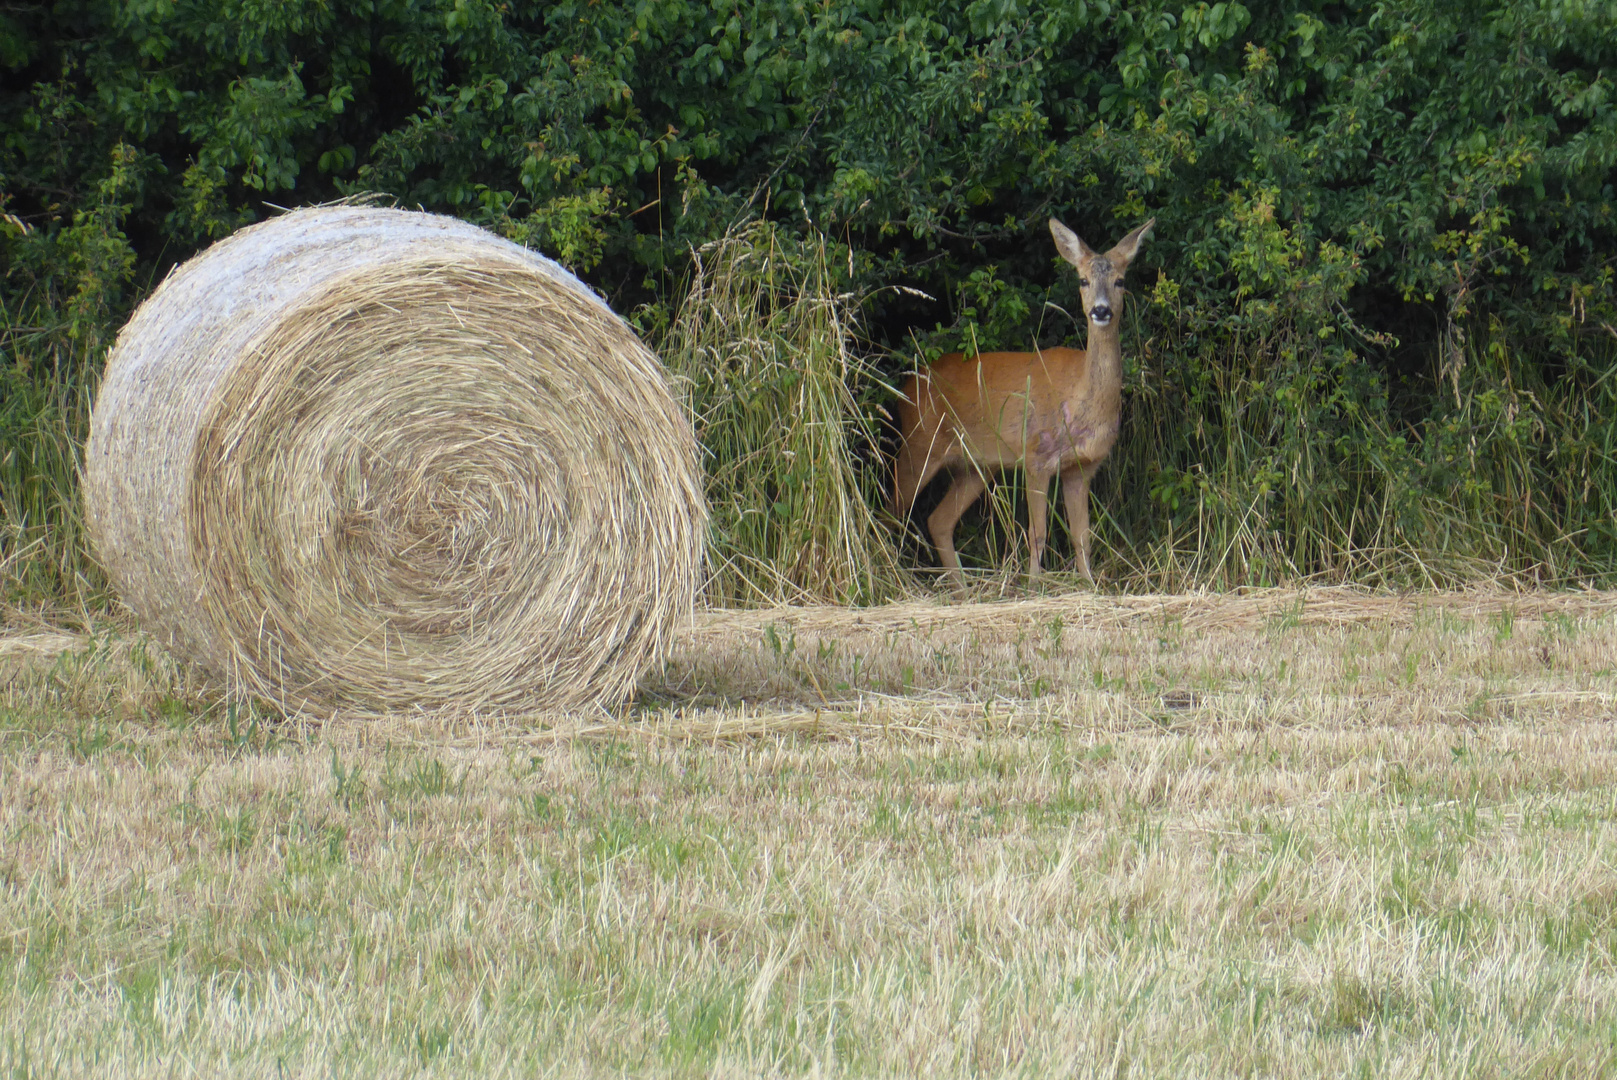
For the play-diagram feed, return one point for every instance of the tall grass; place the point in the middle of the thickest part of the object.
(45, 397)
(783, 410)
(63, 294)
(1269, 457)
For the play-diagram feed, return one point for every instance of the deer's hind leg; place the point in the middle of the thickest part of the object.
(966, 487)
(911, 473)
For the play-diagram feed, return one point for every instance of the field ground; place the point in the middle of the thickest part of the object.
(1281, 834)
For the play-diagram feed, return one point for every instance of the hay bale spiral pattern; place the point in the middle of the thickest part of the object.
(367, 458)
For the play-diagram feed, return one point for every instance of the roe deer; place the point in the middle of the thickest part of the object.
(1052, 411)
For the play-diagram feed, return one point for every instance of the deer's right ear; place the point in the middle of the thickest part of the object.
(1072, 249)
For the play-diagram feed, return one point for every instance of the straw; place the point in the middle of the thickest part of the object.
(367, 458)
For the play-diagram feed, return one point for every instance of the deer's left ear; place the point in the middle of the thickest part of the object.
(1072, 249)
(1129, 246)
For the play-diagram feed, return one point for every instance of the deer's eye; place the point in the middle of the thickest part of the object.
(1083, 283)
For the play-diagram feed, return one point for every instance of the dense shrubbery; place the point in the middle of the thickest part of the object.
(1374, 334)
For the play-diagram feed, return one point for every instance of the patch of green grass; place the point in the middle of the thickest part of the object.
(1586, 925)
(237, 830)
(701, 1021)
(1353, 1006)
(348, 785)
(419, 778)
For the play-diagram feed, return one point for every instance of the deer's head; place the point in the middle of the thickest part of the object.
(1100, 277)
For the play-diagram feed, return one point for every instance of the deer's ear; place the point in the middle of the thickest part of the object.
(1072, 249)
(1129, 246)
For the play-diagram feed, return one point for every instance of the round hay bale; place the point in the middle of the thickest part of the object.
(366, 458)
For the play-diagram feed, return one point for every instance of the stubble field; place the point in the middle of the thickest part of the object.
(1283, 834)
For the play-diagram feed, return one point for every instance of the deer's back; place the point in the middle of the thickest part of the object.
(999, 406)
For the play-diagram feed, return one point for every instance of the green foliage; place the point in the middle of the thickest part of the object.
(1375, 331)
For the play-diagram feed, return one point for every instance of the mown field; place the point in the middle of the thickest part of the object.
(1282, 834)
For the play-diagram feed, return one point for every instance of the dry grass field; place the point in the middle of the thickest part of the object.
(1280, 834)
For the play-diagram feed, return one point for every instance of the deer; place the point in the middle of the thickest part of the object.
(1052, 412)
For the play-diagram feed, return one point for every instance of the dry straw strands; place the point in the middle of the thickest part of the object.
(374, 459)
(1249, 610)
(763, 342)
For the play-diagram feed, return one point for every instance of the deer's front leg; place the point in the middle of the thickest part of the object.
(1075, 496)
(1038, 518)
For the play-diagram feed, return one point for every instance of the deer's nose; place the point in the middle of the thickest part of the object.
(1101, 313)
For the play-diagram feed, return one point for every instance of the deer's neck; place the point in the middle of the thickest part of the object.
(1105, 363)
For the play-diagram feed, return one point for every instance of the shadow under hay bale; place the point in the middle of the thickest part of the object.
(367, 458)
